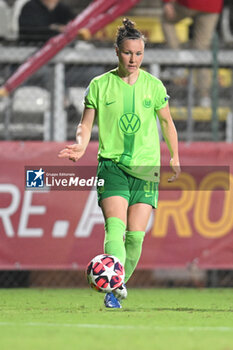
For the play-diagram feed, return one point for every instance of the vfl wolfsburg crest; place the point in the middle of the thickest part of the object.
(129, 123)
(147, 102)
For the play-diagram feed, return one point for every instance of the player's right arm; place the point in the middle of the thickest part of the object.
(76, 151)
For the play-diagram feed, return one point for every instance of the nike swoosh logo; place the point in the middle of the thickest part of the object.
(148, 195)
(109, 103)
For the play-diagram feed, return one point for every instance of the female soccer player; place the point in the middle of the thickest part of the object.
(125, 102)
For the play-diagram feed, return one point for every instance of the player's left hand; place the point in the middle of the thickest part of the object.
(175, 165)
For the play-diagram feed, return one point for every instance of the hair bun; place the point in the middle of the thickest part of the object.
(129, 25)
(128, 30)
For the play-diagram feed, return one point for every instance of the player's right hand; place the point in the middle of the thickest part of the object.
(72, 152)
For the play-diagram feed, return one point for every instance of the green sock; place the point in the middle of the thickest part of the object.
(133, 247)
(114, 243)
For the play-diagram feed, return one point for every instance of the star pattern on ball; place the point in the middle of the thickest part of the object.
(109, 272)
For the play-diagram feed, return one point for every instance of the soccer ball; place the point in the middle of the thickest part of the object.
(105, 273)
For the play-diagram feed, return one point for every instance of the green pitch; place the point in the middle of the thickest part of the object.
(158, 319)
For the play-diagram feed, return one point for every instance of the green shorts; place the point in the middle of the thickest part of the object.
(118, 183)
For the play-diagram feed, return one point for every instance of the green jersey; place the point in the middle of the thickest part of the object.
(126, 116)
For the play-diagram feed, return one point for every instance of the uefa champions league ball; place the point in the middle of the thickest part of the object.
(105, 273)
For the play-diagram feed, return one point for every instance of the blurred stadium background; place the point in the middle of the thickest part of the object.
(48, 106)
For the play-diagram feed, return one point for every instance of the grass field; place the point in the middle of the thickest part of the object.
(157, 319)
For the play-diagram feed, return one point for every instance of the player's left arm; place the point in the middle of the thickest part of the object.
(170, 136)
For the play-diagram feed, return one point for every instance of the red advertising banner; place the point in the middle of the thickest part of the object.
(62, 228)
